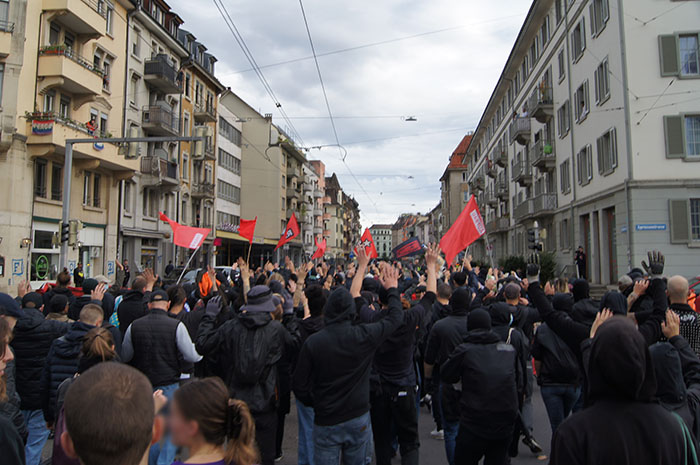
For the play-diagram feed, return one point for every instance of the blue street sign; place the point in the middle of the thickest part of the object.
(651, 227)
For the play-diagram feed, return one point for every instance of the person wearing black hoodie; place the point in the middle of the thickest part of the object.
(62, 360)
(61, 288)
(33, 336)
(487, 369)
(134, 304)
(445, 336)
(690, 320)
(623, 425)
(333, 371)
(585, 309)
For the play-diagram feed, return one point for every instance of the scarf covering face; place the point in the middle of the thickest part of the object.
(620, 367)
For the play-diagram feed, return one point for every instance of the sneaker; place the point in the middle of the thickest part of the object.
(535, 448)
(279, 457)
(437, 434)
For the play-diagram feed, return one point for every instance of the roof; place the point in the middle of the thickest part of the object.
(457, 158)
(381, 226)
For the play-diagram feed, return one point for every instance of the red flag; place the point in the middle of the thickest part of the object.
(290, 232)
(320, 249)
(186, 236)
(467, 229)
(247, 229)
(368, 243)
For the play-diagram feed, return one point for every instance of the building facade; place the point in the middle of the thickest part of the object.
(585, 140)
(381, 233)
(454, 191)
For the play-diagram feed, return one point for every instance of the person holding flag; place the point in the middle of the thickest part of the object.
(467, 229)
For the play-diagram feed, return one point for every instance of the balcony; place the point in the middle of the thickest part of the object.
(60, 66)
(524, 210)
(519, 130)
(477, 183)
(543, 156)
(326, 233)
(6, 30)
(497, 225)
(308, 188)
(318, 230)
(501, 189)
(318, 194)
(490, 196)
(545, 204)
(293, 193)
(541, 105)
(161, 74)
(204, 113)
(84, 17)
(160, 121)
(500, 157)
(293, 211)
(202, 190)
(490, 168)
(47, 135)
(157, 171)
(326, 216)
(318, 211)
(522, 173)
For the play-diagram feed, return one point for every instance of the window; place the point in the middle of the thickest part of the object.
(149, 204)
(564, 234)
(682, 134)
(127, 197)
(186, 124)
(525, 68)
(607, 152)
(64, 107)
(561, 65)
(465, 175)
(230, 162)
(228, 191)
(582, 102)
(96, 190)
(600, 13)
(563, 119)
(40, 178)
(534, 52)
(558, 11)
(54, 33)
(49, 101)
(565, 176)
(602, 83)
(103, 125)
(110, 18)
(544, 32)
(183, 212)
(695, 219)
(679, 55)
(188, 84)
(227, 218)
(4, 10)
(86, 189)
(692, 135)
(688, 47)
(185, 166)
(585, 165)
(207, 173)
(229, 132)
(578, 40)
(56, 182)
(465, 196)
(106, 68)
(136, 44)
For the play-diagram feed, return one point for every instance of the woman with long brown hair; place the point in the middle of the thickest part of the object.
(216, 429)
(11, 443)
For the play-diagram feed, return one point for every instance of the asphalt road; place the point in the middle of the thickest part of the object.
(432, 452)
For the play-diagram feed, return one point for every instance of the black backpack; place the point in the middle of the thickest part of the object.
(562, 361)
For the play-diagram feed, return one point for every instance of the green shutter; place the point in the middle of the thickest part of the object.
(679, 221)
(675, 138)
(668, 50)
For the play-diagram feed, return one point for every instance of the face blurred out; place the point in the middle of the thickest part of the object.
(6, 358)
(182, 430)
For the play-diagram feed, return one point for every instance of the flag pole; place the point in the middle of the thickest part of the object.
(188, 263)
(250, 246)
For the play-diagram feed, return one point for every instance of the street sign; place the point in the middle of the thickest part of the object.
(650, 227)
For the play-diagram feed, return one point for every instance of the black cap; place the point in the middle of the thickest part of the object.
(478, 319)
(158, 296)
(89, 285)
(58, 303)
(32, 300)
(9, 306)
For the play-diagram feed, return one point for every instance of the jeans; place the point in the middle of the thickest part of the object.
(394, 411)
(163, 453)
(351, 440)
(451, 429)
(38, 434)
(305, 417)
(471, 448)
(559, 400)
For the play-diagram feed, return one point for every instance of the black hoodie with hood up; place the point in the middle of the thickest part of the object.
(623, 425)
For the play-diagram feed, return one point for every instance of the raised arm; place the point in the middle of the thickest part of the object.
(362, 262)
(651, 328)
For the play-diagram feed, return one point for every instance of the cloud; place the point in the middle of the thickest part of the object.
(444, 79)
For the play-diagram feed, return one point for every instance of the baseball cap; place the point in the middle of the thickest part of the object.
(158, 296)
(33, 298)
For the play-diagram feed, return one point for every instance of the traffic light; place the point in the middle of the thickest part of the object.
(533, 240)
(75, 226)
(65, 231)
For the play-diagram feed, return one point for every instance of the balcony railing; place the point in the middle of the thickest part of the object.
(501, 189)
(500, 156)
(204, 112)
(98, 6)
(522, 172)
(543, 155)
(68, 52)
(159, 72)
(519, 130)
(541, 105)
(524, 210)
(164, 172)
(160, 120)
(498, 225)
(202, 189)
(545, 204)
(7, 26)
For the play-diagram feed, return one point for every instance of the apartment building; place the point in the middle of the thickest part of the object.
(381, 233)
(351, 222)
(153, 108)
(60, 64)
(228, 185)
(312, 222)
(298, 204)
(320, 198)
(454, 193)
(591, 136)
(333, 222)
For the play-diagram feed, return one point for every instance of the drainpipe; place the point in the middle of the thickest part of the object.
(574, 172)
(628, 134)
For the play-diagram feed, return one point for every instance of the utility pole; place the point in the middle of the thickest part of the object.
(68, 173)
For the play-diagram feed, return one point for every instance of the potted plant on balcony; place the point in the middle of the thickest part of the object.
(53, 50)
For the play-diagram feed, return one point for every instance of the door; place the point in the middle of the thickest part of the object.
(611, 241)
(586, 239)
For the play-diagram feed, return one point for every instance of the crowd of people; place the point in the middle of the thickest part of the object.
(206, 373)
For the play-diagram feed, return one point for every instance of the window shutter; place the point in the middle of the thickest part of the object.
(583, 34)
(599, 147)
(668, 51)
(613, 148)
(675, 139)
(591, 9)
(679, 220)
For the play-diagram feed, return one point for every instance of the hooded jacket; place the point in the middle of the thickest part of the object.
(690, 325)
(310, 326)
(487, 370)
(77, 305)
(333, 368)
(48, 295)
(450, 331)
(132, 307)
(61, 364)
(33, 336)
(501, 319)
(10, 408)
(622, 385)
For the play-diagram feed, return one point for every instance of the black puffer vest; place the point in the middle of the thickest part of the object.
(153, 338)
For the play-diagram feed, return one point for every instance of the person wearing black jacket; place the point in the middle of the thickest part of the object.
(10, 312)
(333, 371)
(249, 348)
(487, 369)
(61, 288)
(393, 397)
(134, 304)
(623, 424)
(690, 320)
(33, 336)
(584, 309)
(11, 443)
(445, 336)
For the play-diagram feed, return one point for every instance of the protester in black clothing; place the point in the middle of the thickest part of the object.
(690, 320)
(393, 396)
(62, 359)
(61, 288)
(11, 443)
(10, 312)
(333, 371)
(584, 308)
(169, 268)
(134, 304)
(249, 348)
(445, 336)
(580, 261)
(78, 275)
(621, 387)
(127, 273)
(487, 369)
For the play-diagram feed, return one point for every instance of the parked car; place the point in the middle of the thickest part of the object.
(189, 276)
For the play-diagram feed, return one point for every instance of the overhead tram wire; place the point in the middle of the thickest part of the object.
(249, 56)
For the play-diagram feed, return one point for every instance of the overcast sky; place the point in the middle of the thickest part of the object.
(444, 79)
